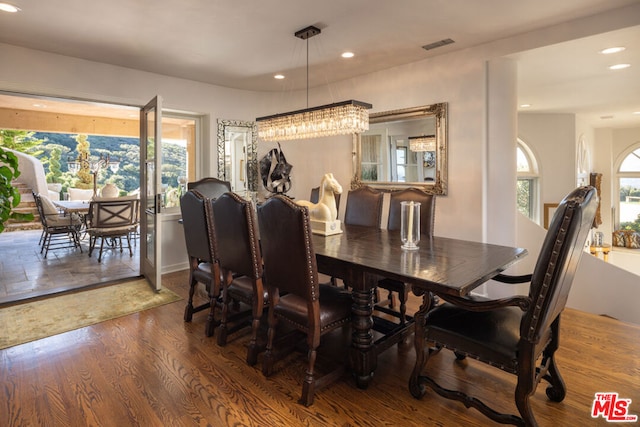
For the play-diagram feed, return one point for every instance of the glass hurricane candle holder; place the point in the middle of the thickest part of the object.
(410, 225)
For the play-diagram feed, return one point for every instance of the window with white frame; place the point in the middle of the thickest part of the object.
(628, 180)
(527, 186)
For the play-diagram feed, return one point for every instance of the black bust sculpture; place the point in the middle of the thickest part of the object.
(275, 171)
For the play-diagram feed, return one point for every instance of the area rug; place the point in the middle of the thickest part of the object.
(43, 318)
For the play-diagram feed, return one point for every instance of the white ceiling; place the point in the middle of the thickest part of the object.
(242, 44)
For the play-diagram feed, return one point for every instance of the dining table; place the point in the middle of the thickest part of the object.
(78, 207)
(73, 206)
(361, 256)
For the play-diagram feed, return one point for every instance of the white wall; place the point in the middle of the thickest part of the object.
(602, 288)
(611, 288)
(597, 284)
(552, 137)
(459, 78)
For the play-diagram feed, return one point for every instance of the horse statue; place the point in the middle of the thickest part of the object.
(324, 214)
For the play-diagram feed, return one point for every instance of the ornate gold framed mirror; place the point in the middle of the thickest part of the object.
(403, 148)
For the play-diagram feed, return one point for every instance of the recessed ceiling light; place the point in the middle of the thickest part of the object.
(347, 55)
(525, 105)
(637, 112)
(611, 50)
(278, 77)
(39, 105)
(6, 7)
(619, 66)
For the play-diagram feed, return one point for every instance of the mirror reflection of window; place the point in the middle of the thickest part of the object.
(401, 164)
(375, 158)
(237, 155)
(236, 140)
(371, 163)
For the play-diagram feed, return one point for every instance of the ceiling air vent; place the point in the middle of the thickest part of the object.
(437, 44)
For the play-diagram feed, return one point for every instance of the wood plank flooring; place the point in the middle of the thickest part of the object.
(152, 369)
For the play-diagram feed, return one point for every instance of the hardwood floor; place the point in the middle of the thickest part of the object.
(152, 369)
(25, 273)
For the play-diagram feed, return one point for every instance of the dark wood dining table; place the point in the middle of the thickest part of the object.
(443, 266)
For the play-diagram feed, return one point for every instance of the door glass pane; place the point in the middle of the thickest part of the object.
(151, 176)
(151, 232)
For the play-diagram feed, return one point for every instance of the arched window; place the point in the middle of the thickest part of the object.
(527, 187)
(628, 175)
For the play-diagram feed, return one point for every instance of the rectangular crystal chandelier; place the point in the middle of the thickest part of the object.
(340, 118)
(422, 143)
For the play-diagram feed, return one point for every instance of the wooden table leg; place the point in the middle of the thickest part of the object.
(417, 390)
(363, 353)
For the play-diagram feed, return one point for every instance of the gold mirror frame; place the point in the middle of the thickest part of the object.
(251, 149)
(439, 184)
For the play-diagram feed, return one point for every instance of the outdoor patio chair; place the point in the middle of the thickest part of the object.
(58, 230)
(111, 220)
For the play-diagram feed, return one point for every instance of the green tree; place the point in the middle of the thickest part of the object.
(635, 225)
(9, 195)
(624, 192)
(20, 140)
(85, 180)
(54, 173)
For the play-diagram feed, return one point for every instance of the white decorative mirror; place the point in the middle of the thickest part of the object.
(237, 154)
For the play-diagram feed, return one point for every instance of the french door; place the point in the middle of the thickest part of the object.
(151, 192)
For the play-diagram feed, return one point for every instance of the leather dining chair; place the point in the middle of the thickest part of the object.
(241, 265)
(199, 236)
(518, 334)
(427, 220)
(210, 187)
(364, 207)
(295, 296)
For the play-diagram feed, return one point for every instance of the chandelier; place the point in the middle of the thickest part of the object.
(422, 143)
(340, 118)
(84, 161)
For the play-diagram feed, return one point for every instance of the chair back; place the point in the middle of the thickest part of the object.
(559, 256)
(364, 207)
(315, 197)
(236, 231)
(427, 209)
(287, 250)
(210, 187)
(198, 227)
(41, 214)
(112, 214)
